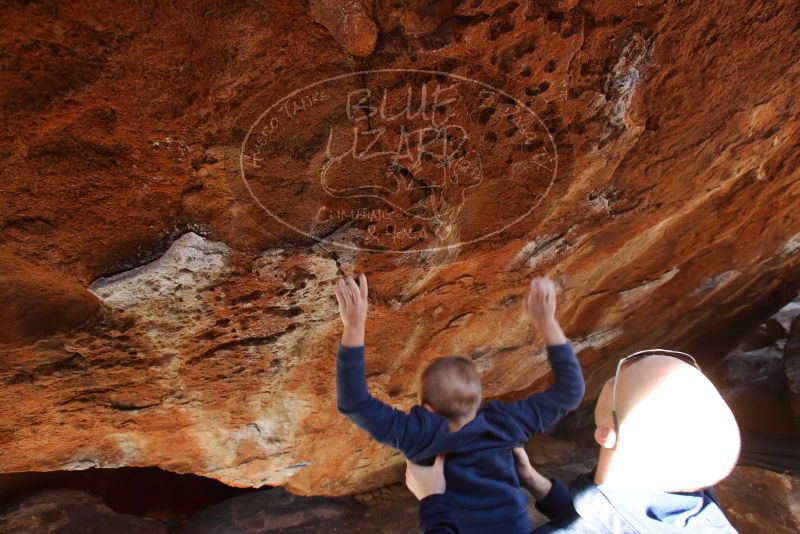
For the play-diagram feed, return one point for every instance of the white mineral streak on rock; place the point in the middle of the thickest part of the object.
(715, 282)
(597, 339)
(792, 246)
(80, 465)
(625, 76)
(636, 294)
(268, 442)
(536, 245)
(545, 249)
(129, 447)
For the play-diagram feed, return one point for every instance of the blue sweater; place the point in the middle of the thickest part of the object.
(482, 480)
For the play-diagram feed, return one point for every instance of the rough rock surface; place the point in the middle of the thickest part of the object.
(791, 357)
(759, 377)
(71, 511)
(348, 23)
(38, 302)
(761, 502)
(275, 510)
(644, 154)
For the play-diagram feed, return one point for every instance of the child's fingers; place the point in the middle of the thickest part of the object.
(345, 292)
(531, 291)
(354, 291)
(536, 291)
(551, 287)
(362, 283)
(338, 294)
(551, 296)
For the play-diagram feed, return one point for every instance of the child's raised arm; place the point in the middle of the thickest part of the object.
(539, 411)
(390, 426)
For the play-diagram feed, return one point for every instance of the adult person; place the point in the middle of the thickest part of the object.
(666, 436)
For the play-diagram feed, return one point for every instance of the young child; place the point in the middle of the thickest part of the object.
(482, 483)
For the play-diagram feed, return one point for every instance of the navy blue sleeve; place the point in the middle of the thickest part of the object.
(435, 516)
(541, 410)
(557, 502)
(409, 433)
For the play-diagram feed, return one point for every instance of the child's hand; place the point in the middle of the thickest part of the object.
(540, 306)
(424, 481)
(352, 301)
(540, 302)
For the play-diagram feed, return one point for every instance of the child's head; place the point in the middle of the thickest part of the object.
(451, 387)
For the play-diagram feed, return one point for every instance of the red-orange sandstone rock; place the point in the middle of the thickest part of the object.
(38, 302)
(644, 154)
(348, 23)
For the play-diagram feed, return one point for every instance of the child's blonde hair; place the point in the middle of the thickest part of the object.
(451, 385)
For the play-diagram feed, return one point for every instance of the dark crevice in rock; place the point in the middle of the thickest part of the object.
(75, 362)
(149, 492)
(255, 341)
(249, 297)
(131, 407)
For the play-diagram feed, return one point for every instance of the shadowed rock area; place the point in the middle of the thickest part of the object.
(183, 183)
